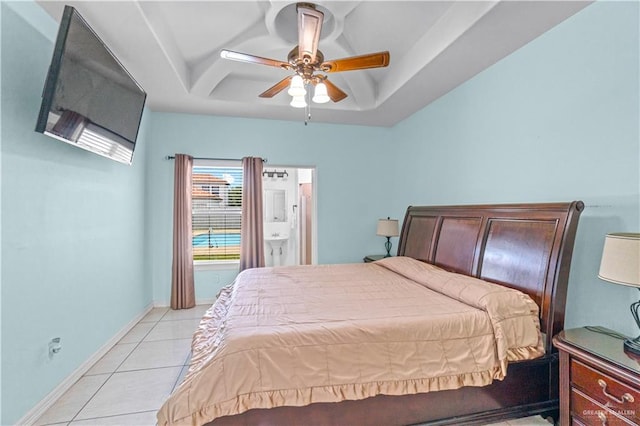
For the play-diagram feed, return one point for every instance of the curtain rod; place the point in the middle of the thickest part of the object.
(172, 157)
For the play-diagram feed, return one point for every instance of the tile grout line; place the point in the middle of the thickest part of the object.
(180, 375)
(114, 415)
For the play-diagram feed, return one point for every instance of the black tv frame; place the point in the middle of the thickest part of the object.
(53, 74)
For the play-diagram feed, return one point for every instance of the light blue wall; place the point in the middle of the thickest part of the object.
(72, 234)
(555, 121)
(354, 174)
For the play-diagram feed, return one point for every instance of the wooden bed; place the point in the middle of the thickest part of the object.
(523, 246)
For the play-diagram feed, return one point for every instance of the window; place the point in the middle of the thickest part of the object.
(216, 213)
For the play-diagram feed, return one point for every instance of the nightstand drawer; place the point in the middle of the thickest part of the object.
(606, 390)
(585, 410)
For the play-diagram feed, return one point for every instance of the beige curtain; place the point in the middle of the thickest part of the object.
(251, 236)
(182, 288)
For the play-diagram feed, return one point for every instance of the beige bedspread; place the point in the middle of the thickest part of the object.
(328, 333)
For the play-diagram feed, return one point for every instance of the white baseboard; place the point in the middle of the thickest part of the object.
(205, 301)
(38, 410)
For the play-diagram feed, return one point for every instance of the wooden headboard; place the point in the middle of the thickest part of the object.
(524, 246)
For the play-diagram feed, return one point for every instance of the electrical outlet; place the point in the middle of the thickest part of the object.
(55, 346)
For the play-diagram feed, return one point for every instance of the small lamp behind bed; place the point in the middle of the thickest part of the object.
(621, 265)
(388, 228)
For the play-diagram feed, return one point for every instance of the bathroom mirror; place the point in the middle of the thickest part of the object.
(275, 205)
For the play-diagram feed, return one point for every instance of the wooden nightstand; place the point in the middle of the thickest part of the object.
(373, 258)
(599, 382)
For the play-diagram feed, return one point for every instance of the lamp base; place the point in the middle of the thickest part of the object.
(387, 246)
(632, 345)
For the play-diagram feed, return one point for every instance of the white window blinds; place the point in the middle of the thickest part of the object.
(216, 213)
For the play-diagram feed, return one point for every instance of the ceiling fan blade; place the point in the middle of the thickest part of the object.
(309, 27)
(243, 57)
(334, 92)
(276, 88)
(372, 60)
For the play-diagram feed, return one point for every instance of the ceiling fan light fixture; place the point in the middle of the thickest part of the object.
(297, 87)
(320, 95)
(298, 102)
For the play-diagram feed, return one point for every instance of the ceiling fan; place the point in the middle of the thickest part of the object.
(308, 64)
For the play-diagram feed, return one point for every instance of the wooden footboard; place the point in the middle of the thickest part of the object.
(530, 388)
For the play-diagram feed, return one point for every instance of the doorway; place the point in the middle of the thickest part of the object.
(289, 215)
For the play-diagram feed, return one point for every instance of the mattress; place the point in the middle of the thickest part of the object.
(296, 335)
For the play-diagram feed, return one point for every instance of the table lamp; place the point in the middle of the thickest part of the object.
(388, 228)
(621, 265)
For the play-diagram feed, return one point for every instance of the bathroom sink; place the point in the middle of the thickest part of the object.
(276, 237)
(276, 231)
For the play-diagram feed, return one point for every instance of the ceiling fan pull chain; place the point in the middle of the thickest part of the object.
(308, 107)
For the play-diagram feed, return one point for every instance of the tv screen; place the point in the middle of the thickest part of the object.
(89, 99)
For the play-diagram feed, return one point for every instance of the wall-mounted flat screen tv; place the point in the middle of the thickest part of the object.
(89, 99)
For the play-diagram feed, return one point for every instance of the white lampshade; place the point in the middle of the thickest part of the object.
(621, 259)
(298, 102)
(297, 87)
(320, 95)
(387, 227)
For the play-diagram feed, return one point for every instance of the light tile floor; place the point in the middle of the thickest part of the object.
(129, 384)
